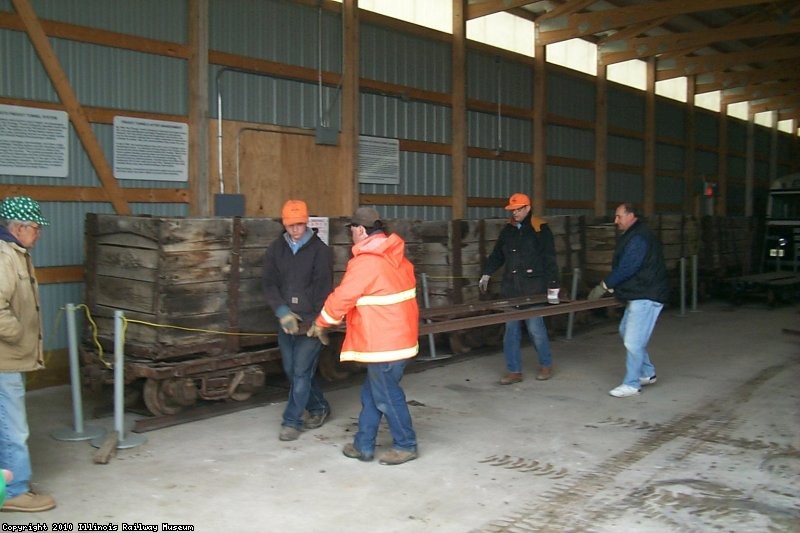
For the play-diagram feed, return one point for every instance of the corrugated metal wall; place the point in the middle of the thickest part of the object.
(101, 77)
(296, 34)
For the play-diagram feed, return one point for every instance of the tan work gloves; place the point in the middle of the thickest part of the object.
(289, 323)
(483, 283)
(318, 332)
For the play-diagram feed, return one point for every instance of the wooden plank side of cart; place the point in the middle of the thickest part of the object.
(466, 316)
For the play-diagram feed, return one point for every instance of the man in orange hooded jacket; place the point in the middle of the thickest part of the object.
(378, 296)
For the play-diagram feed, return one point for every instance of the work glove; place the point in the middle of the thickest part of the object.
(289, 323)
(483, 284)
(318, 332)
(599, 291)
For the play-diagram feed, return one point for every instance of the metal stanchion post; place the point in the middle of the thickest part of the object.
(576, 274)
(125, 441)
(683, 285)
(694, 282)
(79, 432)
(431, 342)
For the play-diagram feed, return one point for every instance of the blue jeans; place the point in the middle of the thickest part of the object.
(381, 395)
(300, 355)
(635, 328)
(14, 454)
(513, 338)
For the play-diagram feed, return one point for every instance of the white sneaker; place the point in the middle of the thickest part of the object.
(647, 381)
(623, 391)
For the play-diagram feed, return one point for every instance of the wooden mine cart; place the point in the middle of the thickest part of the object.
(190, 288)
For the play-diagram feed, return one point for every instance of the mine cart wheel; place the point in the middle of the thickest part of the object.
(169, 396)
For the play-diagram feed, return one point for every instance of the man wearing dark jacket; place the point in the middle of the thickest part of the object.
(525, 245)
(298, 276)
(639, 278)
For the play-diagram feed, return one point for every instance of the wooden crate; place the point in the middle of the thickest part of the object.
(197, 273)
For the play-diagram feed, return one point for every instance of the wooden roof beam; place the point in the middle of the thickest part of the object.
(792, 113)
(718, 81)
(758, 91)
(567, 8)
(775, 104)
(478, 9)
(634, 30)
(693, 65)
(582, 24)
(640, 47)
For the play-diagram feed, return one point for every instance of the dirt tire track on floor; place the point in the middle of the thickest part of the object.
(583, 503)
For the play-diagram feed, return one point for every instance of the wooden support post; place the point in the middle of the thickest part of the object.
(459, 111)
(77, 116)
(198, 107)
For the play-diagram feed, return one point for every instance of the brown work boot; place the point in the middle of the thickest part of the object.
(29, 503)
(289, 433)
(546, 372)
(397, 457)
(511, 377)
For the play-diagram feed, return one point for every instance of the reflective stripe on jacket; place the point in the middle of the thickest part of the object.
(21, 348)
(378, 295)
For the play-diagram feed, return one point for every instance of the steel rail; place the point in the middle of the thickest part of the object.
(497, 312)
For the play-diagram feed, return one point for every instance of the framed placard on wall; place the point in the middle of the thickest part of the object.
(147, 149)
(33, 142)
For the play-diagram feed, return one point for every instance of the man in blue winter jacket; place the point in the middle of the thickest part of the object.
(639, 278)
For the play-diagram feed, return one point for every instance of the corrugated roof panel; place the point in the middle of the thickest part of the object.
(563, 141)
(625, 150)
(737, 135)
(736, 166)
(625, 108)
(54, 298)
(570, 96)
(498, 179)
(569, 183)
(624, 187)
(163, 20)
(23, 75)
(499, 81)
(280, 31)
(389, 56)
(670, 118)
(485, 130)
(705, 163)
(670, 157)
(706, 128)
(116, 78)
(669, 190)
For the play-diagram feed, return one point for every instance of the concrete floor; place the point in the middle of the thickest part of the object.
(713, 446)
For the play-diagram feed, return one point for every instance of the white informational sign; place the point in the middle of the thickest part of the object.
(323, 225)
(150, 149)
(33, 142)
(378, 160)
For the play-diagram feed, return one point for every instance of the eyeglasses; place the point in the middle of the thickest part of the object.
(517, 210)
(37, 228)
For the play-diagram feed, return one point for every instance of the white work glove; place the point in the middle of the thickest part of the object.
(483, 283)
(318, 332)
(289, 323)
(599, 291)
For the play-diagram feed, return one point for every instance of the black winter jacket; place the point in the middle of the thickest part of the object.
(529, 257)
(300, 281)
(650, 281)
